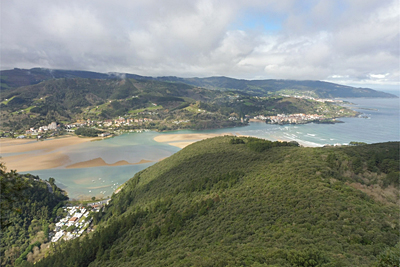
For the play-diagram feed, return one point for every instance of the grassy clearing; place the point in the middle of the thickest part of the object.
(26, 110)
(135, 111)
(5, 102)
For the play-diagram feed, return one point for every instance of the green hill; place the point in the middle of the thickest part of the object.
(167, 104)
(28, 206)
(292, 87)
(71, 99)
(24, 77)
(247, 202)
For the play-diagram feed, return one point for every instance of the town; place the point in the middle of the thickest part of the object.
(298, 118)
(76, 221)
(322, 100)
(54, 129)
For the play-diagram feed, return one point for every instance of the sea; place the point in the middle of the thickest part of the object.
(379, 122)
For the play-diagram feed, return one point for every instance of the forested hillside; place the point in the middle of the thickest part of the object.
(23, 77)
(28, 206)
(163, 105)
(232, 201)
(67, 100)
(265, 87)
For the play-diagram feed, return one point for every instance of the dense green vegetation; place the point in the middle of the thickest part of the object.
(89, 132)
(27, 209)
(354, 143)
(20, 77)
(225, 202)
(266, 87)
(72, 99)
(164, 105)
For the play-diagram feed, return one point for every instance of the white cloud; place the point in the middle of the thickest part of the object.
(349, 40)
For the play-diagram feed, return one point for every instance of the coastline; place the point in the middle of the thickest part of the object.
(25, 145)
(34, 162)
(98, 162)
(183, 140)
(39, 155)
(30, 155)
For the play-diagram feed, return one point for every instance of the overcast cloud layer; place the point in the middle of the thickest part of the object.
(350, 41)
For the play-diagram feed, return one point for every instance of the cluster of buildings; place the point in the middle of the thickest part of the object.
(290, 118)
(126, 122)
(181, 121)
(77, 217)
(118, 122)
(323, 100)
(51, 127)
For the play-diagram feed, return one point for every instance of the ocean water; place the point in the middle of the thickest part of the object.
(380, 125)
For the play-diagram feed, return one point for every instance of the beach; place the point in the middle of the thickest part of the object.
(32, 155)
(98, 162)
(183, 140)
(8, 145)
(37, 155)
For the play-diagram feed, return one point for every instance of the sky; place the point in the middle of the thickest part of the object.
(351, 42)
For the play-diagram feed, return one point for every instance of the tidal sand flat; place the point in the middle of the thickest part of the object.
(8, 145)
(38, 155)
(35, 161)
(183, 140)
(97, 162)
(181, 144)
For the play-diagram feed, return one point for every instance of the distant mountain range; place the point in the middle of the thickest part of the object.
(23, 77)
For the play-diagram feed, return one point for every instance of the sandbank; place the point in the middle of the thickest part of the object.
(98, 162)
(181, 144)
(164, 138)
(42, 156)
(32, 162)
(8, 145)
(183, 140)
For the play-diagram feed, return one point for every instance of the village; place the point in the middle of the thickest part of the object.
(54, 129)
(76, 221)
(149, 119)
(298, 118)
(322, 100)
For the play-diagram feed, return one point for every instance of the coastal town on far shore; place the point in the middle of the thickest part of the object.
(109, 127)
(298, 118)
(54, 129)
(149, 118)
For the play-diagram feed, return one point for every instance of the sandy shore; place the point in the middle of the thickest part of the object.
(181, 144)
(183, 140)
(38, 155)
(8, 145)
(32, 162)
(97, 162)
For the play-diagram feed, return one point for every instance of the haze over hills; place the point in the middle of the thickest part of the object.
(23, 77)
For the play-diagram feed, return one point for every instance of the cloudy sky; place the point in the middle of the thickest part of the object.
(353, 42)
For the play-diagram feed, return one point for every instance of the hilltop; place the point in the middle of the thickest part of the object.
(24, 77)
(272, 86)
(143, 104)
(231, 201)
